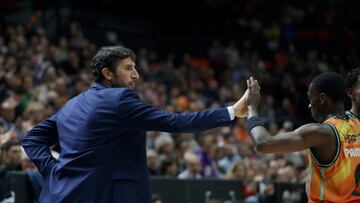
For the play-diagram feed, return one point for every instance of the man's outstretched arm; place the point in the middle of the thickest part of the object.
(134, 112)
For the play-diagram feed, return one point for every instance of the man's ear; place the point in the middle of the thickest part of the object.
(349, 92)
(106, 73)
(322, 97)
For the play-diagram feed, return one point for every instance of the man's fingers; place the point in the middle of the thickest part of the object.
(256, 84)
(252, 81)
(253, 85)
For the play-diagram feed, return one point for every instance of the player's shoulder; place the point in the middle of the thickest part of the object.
(338, 118)
(315, 128)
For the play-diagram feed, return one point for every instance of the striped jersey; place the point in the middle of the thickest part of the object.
(339, 180)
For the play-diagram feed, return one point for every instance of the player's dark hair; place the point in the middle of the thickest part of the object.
(332, 84)
(352, 77)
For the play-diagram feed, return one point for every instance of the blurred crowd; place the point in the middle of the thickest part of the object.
(39, 75)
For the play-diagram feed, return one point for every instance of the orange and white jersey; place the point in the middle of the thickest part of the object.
(339, 180)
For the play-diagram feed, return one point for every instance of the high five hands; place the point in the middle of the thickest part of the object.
(249, 101)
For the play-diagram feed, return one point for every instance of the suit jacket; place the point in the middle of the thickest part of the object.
(101, 134)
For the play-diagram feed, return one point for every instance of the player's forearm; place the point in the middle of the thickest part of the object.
(252, 112)
(257, 131)
(261, 137)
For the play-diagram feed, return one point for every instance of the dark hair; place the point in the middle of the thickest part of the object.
(108, 57)
(165, 164)
(352, 77)
(332, 85)
(7, 146)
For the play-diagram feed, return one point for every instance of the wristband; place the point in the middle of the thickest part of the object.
(253, 122)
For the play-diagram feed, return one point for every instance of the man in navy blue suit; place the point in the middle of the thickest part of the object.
(101, 134)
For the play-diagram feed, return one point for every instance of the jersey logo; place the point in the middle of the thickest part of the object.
(351, 138)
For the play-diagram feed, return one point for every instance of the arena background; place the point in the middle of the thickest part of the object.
(191, 55)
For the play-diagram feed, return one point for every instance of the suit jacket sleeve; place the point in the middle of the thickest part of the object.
(136, 113)
(37, 144)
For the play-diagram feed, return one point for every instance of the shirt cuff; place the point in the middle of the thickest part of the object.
(231, 112)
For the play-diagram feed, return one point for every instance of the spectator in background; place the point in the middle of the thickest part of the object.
(208, 165)
(229, 159)
(169, 168)
(8, 136)
(152, 162)
(164, 145)
(182, 146)
(250, 193)
(13, 158)
(287, 126)
(286, 174)
(193, 167)
(7, 114)
(58, 96)
(238, 171)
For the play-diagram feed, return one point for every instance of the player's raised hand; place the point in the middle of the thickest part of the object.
(254, 96)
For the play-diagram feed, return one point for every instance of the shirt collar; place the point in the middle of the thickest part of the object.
(331, 116)
(100, 85)
(352, 114)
